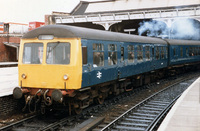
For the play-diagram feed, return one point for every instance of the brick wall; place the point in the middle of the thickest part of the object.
(8, 54)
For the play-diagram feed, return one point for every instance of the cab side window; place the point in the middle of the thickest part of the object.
(98, 55)
(84, 55)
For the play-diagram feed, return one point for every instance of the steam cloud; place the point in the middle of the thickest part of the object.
(180, 29)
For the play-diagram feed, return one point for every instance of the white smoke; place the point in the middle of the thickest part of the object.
(152, 28)
(185, 29)
(180, 29)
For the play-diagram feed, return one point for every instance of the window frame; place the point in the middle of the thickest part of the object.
(59, 63)
(112, 54)
(38, 61)
(140, 53)
(131, 53)
(99, 48)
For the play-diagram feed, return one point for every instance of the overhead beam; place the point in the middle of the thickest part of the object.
(193, 12)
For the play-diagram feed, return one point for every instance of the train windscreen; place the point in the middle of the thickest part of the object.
(33, 53)
(58, 53)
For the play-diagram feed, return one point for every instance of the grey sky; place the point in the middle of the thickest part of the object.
(25, 11)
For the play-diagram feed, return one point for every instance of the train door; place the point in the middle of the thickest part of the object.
(86, 68)
(98, 62)
(175, 52)
(112, 55)
(153, 57)
(121, 65)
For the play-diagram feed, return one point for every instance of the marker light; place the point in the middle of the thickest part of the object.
(65, 77)
(45, 37)
(23, 76)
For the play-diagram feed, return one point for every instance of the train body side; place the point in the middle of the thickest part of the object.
(183, 52)
(153, 57)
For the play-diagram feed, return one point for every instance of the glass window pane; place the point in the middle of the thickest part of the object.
(122, 54)
(147, 53)
(58, 53)
(112, 58)
(33, 53)
(112, 54)
(84, 55)
(162, 53)
(130, 53)
(181, 51)
(140, 53)
(98, 59)
(157, 53)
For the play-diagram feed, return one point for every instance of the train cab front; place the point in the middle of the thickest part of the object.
(49, 68)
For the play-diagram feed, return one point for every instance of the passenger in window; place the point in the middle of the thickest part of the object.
(130, 57)
(96, 59)
(112, 60)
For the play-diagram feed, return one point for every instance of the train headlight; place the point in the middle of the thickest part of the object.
(24, 76)
(65, 77)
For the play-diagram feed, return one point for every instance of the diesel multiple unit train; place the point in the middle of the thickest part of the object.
(74, 66)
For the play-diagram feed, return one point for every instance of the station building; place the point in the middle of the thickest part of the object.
(10, 34)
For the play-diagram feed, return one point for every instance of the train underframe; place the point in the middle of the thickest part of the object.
(74, 101)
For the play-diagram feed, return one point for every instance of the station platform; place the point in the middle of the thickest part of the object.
(8, 64)
(185, 114)
(8, 80)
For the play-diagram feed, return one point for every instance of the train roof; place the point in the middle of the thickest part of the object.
(182, 42)
(66, 31)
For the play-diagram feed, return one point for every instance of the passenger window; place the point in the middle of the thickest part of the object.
(196, 51)
(199, 50)
(130, 53)
(112, 54)
(166, 52)
(174, 51)
(140, 53)
(122, 54)
(181, 51)
(98, 55)
(187, 51)
(153, 52)
(147, 53)
(84, 55)
(157, 53)
(162, 53)
(190, 52)
(193, 51)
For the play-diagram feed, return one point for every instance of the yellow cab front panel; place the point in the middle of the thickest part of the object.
(40, 63)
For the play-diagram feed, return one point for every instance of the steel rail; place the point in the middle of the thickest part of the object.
(9, 127)
(113, 123)
(159, 117)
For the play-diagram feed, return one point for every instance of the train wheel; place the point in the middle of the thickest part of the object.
(77, 107)
(100, 99)
(77, 110)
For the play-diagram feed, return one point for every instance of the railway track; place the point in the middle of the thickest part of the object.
(94, 113)
(147, 114)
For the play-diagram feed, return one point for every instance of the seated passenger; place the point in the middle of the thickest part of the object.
(96, 59)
